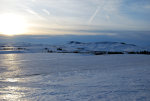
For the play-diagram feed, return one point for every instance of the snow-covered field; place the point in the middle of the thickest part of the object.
(74, 77)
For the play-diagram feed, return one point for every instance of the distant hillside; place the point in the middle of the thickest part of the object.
(103, 46)
(74, 47)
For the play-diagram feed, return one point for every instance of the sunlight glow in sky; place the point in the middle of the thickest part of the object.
(12, 24)
(73, 16)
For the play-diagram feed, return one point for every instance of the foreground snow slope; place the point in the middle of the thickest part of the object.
(74, 77)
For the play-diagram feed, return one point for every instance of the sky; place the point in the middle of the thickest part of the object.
(78, 16)
(124, 19)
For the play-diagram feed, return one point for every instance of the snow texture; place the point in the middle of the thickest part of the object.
(74, 77)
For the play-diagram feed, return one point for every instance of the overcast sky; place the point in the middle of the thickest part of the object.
(80, 16)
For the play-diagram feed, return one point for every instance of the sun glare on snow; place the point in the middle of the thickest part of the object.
(11, 24)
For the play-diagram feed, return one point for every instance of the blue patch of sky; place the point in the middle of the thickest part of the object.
(136, 9)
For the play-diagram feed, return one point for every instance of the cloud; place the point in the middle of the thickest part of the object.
(94, 14)
(31, 12)
(33, 0)
(46, 11)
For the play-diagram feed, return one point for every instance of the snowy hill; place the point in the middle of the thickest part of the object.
(71, 47)
(103, 46)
